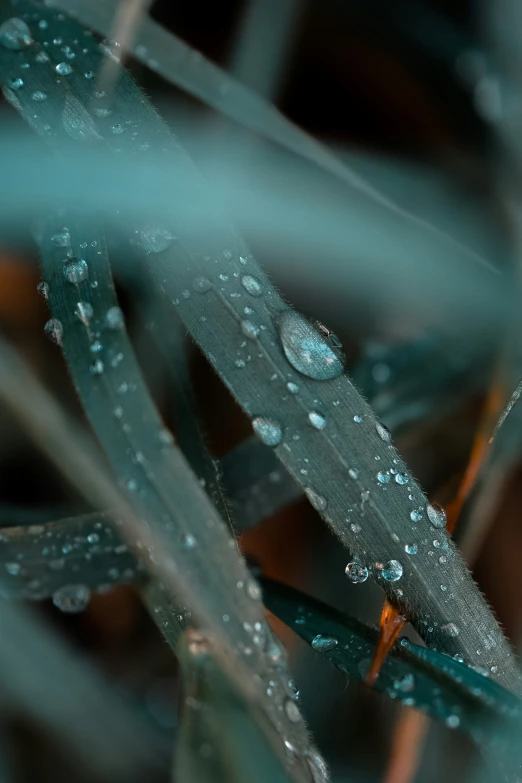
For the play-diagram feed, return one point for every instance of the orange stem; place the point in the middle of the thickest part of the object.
(391, 624)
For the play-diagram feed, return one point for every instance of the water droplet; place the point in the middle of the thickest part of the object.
(249, 329)
(405, 684)
(72, 598)
(357, 419)
(318, 501)
(253, 590)
(383, 432)
(43, 289)
(306, 349)
(39, 96)
(14, 34)
(97, 367)
(201, 284)
(401, 478)
(415, 516)
(453, 721)
(64, 69)
(383, 478)
(84, 312)
(293, 388)
(53, 329)
(317, 767)
(317, 420)
(392, 571)
(411, 549)
(292, 711)
(322, 643)
(13, 568)
(101, 111)
(75, 270)
(16, 84)
(356, 572)
(93, 538)
(62, 238)
(252, 285)
(436, 515)
(154, 238)
(114, 318)
(267, 430)
(451, 629)
(188, 542)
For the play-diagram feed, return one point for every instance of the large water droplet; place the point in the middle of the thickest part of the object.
(62, 238)
(267, 430)
(201, 284)
(84, 312)
(323, 643)
(317, 767)
(318, 501)
(306, 349)
(72, 598)
(43, 289)
(317, 420)
(154, 238)
(252, 285)
(383, 478)
(64, 69)
(14, 34)
(401, 478)
(411, 549)
(356, 572)
(114, 318)
(392, 571)
(249, 329)
(53, 329)
(292, 711)
(75, 270)
(436, 515)
(383, 432)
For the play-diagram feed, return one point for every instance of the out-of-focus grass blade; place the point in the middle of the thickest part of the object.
(218, 740)
(177, 62)
(436, 684)
(41, 676)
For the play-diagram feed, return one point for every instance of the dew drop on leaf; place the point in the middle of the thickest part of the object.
(401, 478)
(383, 478)
(252, 285)
(268, 430)
(64, 69)
(292, 711)
(293, 388)
(114, 318)
(249, 329)
(318, 501)
(383, 432)
(201, 284)
(97, 367)
(392, 571)
(317, 420)
(39, 96)
(75, 270)
(43, 289)
(356, 572)
(14, 34)
(415, 516)
(436, 515)
(307, 350)
(154, 238)
(16, 84)
(53, 329)
(61, 238)
(411, 549)
(84, 312)
(323, 643)
(72, 598)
